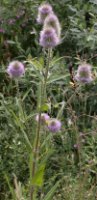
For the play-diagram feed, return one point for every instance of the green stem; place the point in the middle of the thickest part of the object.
(17, 88)
(35, 152)
(46, 74)
(36, 148)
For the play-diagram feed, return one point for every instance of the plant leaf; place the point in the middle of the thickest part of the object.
(38, 178)
(51, 192)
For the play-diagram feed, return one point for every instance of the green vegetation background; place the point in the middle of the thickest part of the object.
(74, 159)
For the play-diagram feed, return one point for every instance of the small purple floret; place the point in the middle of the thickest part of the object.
(84, 74)
(44, 117)
(43, 11)
(15, 69)
(54, 125)
(52, 21)
(48, 38)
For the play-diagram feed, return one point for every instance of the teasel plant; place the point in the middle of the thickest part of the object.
(49, 39)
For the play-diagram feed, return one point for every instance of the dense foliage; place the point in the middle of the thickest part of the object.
(71, 154)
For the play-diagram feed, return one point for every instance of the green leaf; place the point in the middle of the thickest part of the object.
(55, 78)
(26, 94)
(46, 107)
(20, 124)
(50, 194)
(60, 112)
(10, 187)
(55, 60)
(11, 42)
(38, 178)
(29, 117)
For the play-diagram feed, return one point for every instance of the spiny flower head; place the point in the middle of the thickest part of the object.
(48, 38)
(54, 125)
(52, 21)
(43, 11)
(15, 69)
(84, 74)
(44, 117)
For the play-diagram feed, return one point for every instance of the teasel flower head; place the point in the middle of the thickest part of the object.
(52, 21)
(15, 69)
(54, 125)
(84, 74)
(49, 38)
(43, 11)
(44, 118)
